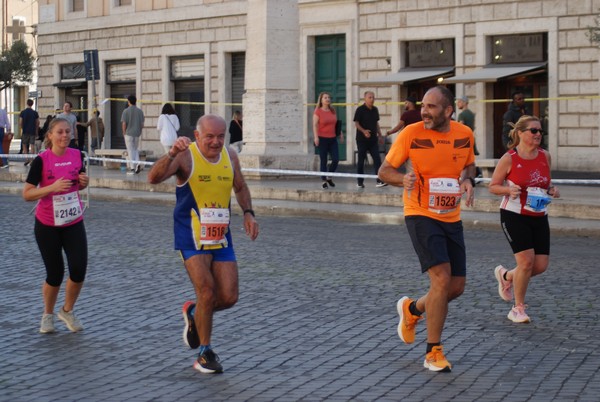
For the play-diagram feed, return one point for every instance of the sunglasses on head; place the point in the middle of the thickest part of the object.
(535, 130)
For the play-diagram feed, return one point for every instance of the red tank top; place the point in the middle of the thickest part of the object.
(526, 173)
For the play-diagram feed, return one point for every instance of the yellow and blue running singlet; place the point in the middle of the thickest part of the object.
(202, 210)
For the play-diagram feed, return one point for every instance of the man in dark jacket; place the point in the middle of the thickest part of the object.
(516, 109)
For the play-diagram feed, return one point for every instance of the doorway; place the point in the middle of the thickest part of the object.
(330, 76)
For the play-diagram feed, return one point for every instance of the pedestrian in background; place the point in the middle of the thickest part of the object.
(516, 109)
(97, 126)
(168, 125)
(81, 134)
(68, 115)
(202, 227)
(368, 134)
(132, 122)
(442, 170)
(522, 178)
(55, 178)
(467, 117)
(325, 136)
(236, 131)
(4, 130)
(411, 115)
(29, 121)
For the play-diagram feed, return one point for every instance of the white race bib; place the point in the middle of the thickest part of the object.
(444, 195)
(67, 208)
(213, 225)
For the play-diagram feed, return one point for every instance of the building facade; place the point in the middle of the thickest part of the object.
(271, 59)
(19, 22)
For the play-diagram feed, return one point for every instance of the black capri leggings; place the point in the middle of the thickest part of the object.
(52, 241)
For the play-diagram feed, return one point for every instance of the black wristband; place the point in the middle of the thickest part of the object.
(249, 211)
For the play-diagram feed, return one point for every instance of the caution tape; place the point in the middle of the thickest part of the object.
(338, 104)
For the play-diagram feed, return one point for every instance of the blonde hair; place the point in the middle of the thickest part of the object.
(320, 101)
(521, 125)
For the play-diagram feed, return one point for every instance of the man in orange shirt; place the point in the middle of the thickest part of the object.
(442, 167)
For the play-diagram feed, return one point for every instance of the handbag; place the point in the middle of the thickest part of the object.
(338, 128)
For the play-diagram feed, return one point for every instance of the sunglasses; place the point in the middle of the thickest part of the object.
(535, 130)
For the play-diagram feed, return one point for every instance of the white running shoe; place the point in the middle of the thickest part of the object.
(47, 326)
(70, 320)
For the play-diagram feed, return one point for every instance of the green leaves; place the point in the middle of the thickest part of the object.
(16, 65)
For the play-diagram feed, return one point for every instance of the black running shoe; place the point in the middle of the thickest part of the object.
(190, 335)
(331, 183)
(208, 363)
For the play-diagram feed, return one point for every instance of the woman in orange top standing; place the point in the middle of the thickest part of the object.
(324, 120)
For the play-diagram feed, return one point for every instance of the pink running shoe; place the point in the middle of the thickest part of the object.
(504, 287)
(517, 314)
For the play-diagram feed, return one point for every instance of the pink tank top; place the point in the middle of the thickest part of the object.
(64, 208)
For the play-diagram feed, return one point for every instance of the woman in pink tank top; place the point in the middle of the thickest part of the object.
(54, 179)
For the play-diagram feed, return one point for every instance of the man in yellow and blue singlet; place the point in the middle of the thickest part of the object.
(206, 172)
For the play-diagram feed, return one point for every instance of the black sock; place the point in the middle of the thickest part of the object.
(412, 307)
(504, 276)
(431, 345)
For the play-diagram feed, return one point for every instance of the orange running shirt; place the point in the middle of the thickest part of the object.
(437, 159)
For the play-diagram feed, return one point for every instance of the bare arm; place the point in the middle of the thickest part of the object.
(552, 190)
(497, 184)
(124, 127)
(398, 127)
(34, 193)
(367, 133)
(316, 129)
(390, 175)
(176, 162)
(466, 185)
(242, 195)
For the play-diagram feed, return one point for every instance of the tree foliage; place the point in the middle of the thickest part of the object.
(16, 65)
(593, 33)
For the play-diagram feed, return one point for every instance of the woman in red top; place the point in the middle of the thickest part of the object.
(522, 177)
(324, 120)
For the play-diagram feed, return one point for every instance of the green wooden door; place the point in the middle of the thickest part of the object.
(330, 66)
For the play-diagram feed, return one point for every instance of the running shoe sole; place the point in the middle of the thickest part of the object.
(190, 335)
(513, 318)
(401, 314)
(431, 367)
(498, 275)
(205, 370)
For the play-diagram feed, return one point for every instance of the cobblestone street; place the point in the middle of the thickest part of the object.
(316, 318)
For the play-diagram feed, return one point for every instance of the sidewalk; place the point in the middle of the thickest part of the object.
(577, 212)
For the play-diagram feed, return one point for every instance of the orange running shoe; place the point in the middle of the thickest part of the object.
(408, 321)
(436, 361)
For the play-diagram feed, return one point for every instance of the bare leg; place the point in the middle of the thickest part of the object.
(50, 294)
(216, 287)
(528, 265)
(71, 294)
(442, 287)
